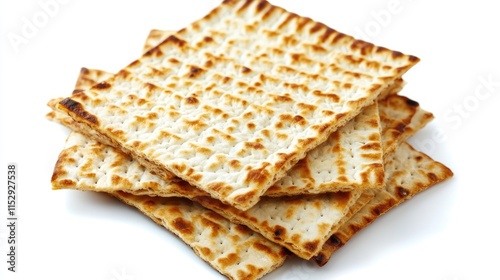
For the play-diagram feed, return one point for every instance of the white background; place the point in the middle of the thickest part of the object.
(449, 232)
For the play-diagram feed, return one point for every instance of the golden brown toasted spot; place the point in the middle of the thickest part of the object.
(248, 272)
(235, 164)
(191, 100)
(254, 145)
(298, 119)
(138, 144)
(321, 259)
(174, 40)
(266, 132)
(302, 21)
(251, 126)
(327, 112)
(210, 139)
(321, 127)
(195, 124)
(224, 135)
(152, 116)
(400, 127)
(411, 103)
(371, 146)
(432, 177)
(332, 96)
(342, 198)
(311, 246)
(245, 70)
(243, 198)
(78, 109)
(261, 5)
(328, 32)
(340, 116)
(318, 49)
(413, 59)
(373, 64)
(102, 85)
(117, 180)
(209, 63)
(396, 54)
(281, 136)
(279, 232)
(84, 71)
(307, 108)
(354, 228)
(242, 84)
(118, 133)
(317, 27)
(229, 260)
(402, 192)
(286, 117)
(200, 149)
(334, 241)
(64, 183)
(167, 134)
(173, 60)
(242, 229)
(263, 248)
(76, 91)
(220, 187)
(148, 204)
(155, 51)
(194, 71)
(382, 208)
(342, 178)
(173, 114)
(181, 167)
(363, 46)
(214, 216)
(281, 98)
(153, 186)
(215, 228)
(183, 226)
(205, 251)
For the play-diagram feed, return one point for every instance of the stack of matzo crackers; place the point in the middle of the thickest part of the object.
(251, 133)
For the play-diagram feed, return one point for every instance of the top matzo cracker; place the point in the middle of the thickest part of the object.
(234, 100)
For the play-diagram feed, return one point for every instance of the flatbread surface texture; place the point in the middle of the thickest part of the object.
(234, 100)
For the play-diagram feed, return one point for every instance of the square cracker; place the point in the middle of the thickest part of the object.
(234, 100)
